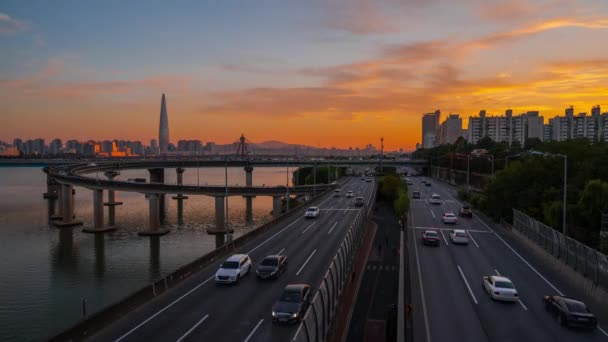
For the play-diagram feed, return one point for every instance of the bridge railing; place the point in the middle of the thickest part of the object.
(318, 322)
(587, 261)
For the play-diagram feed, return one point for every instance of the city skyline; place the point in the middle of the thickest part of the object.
(340, 75)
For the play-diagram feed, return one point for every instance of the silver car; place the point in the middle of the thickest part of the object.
(459, 237)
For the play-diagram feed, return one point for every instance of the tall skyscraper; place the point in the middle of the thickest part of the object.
(430, 127)
(163, 130)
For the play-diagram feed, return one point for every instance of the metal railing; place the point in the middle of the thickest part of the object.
(590, 263)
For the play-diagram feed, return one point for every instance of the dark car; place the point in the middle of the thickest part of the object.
(570, 312)
(427, 183)
(430, 237)
(359, 201)
(292, 304)
(416, 195)
(465, 212)
(272, 266)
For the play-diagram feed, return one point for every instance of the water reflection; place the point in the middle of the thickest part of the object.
(100, 256)
(154, 269)
(65, 254)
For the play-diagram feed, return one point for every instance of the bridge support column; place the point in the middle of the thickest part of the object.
(180, 197)
(98, 214)
(158, 176)
(220, 230)
(111, 203)
(249, 199)
(51, 194)
(59, 215)
(276, 206)
(67, 206)
(154, 217)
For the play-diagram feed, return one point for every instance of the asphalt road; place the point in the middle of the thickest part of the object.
(200, 310)
(449, 302)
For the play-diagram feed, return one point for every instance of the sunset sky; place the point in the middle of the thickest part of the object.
(317, 72)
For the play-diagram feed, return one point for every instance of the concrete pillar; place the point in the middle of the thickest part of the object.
(158, 176)
(98, 208)
(67, 206)
(180, 197)
(219, 213)
(248, 176)
(111, 203)
(276, 206)
(154, 217)
(59, 215)
(249, 199)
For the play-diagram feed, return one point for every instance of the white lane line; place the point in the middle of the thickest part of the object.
(307, 228)
(192, 329)
(475, 242)
(254, 329)
(306, 262)
(467, 284)
(432, 213)
(426, 319)
(275, 234)
(443, 236)
(163, 309)
(281, 251)
(332, 228)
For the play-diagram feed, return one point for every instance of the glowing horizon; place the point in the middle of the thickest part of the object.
(341, 74)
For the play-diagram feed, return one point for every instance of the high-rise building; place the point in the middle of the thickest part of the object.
(55, 146)
(163, 130)
(450, 130)
(579, 126)
(507, 128)
(430, 128)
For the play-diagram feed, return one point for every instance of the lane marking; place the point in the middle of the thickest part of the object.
(192, 329)
(307, 228)
(332, 228)
(443, 236)
(306, 262)
(467, 284)
(254, 329)
(432, 213)
(275, 234)
(281, 251)
(450, 229)
(475, 242)
(426, 319)
(163, 309)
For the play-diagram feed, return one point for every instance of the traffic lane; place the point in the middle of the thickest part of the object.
(219, 301)
(531, 289)
(146, 313)
(312, 274)
(444, 292)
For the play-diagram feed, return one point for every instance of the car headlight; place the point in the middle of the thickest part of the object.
(274, 314)
(232, 278)
(294, 315)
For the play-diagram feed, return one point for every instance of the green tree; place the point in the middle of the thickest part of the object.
(390, 187)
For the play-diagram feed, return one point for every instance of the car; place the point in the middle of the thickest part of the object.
(465, 211)
(233, 269)
(292, 304)
(416, 194)
(337, 193)
(427, 184)
(435, 199)
(359, 201)
(430, 237)
(459, 237)
(272, 267)
(362, 178)
(409, 182)
(500, 288)
(334, 183)
(368, 180)
(349, 194)
(423, 181)
(449, 218)
(312, 212)
(570, 312)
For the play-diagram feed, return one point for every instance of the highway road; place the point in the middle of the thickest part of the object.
(201, 310)
(449, 301)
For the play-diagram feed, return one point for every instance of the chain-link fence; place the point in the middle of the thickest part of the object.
(588, 262)
(318, 322)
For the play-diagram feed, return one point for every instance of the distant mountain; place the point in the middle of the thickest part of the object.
(274, 144)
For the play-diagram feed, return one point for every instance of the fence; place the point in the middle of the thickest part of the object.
(318, 322)
(590, 263)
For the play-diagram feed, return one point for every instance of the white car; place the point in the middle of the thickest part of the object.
(349, 194)
(312, 212)
(459, 237)
(449, 218)
(233, 269)
(435, 199)
(500, 288)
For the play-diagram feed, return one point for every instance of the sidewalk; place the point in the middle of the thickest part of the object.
(375, 316)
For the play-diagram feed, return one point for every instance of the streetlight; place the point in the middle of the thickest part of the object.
(547, 154)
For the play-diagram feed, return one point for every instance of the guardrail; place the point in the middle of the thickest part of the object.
(318, 322)
(590, 263)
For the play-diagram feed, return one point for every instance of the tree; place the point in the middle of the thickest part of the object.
(391, 184)
(531, 143)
